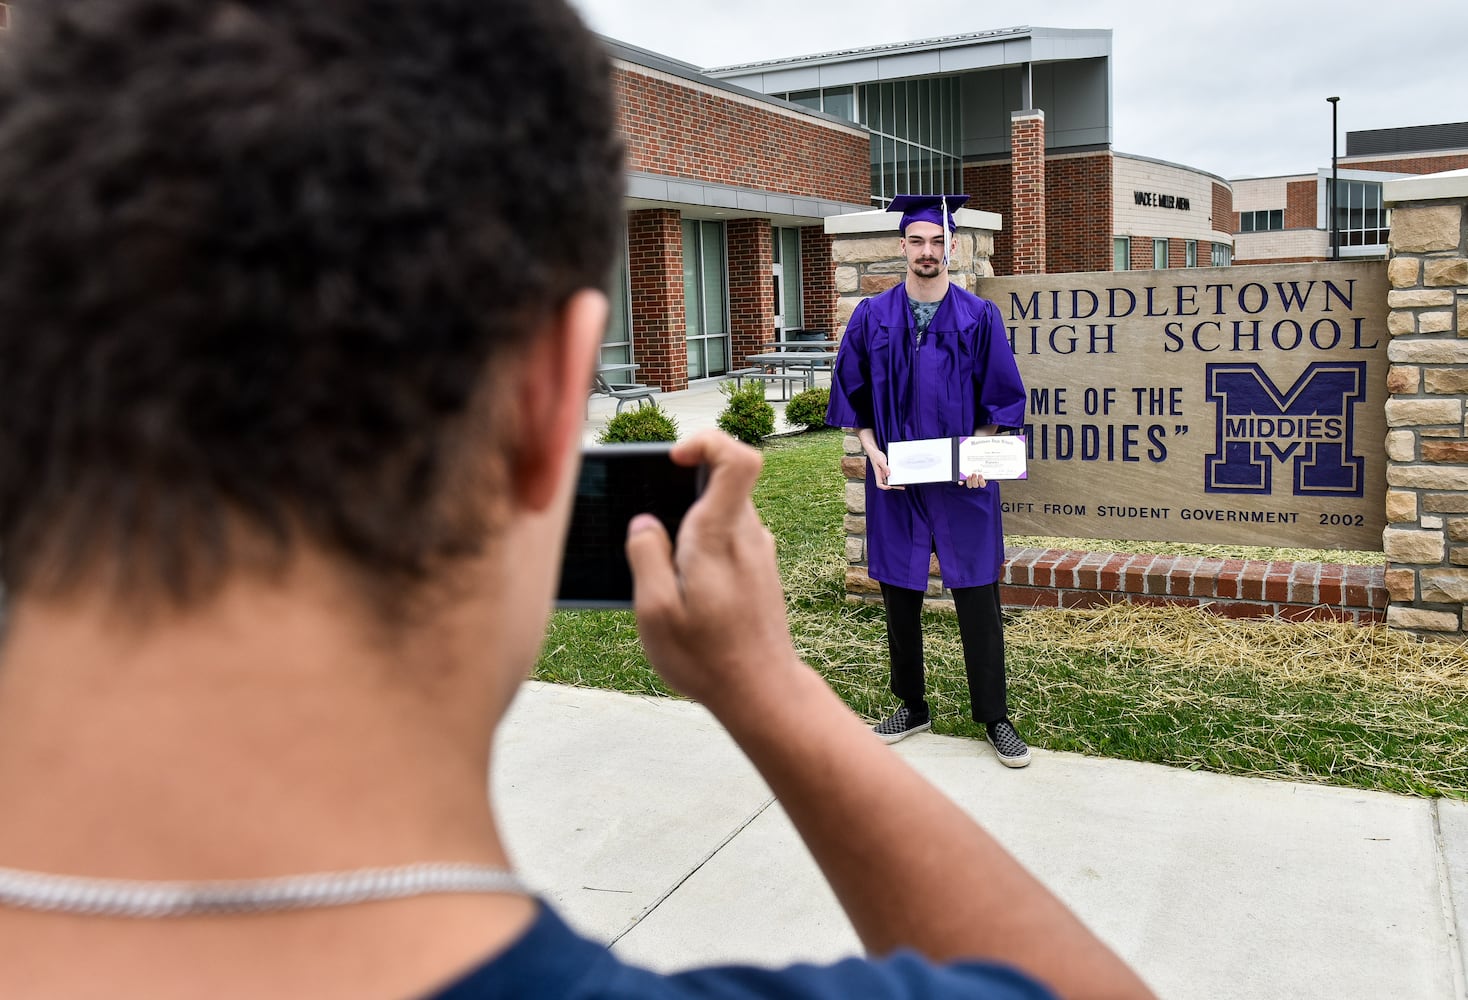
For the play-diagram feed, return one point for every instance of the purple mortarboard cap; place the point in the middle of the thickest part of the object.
(935, 208)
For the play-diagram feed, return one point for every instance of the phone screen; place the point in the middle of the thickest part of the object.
(618, 482)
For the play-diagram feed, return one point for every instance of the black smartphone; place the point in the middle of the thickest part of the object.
(618, 482)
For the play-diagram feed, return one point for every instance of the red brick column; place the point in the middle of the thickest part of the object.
(1142, 253)
(751, 292)
(1078, 213)
(818, 279)
(990, 188)
(655, 270)
(1027, 143)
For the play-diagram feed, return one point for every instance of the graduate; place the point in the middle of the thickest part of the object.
(926, 359)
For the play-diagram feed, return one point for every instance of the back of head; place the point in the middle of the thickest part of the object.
(257, 261)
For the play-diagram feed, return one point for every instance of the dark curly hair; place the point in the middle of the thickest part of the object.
(257, 261)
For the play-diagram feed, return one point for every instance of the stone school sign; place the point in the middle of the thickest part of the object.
(1239, 405)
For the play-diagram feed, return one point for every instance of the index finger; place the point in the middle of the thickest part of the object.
(733, 470)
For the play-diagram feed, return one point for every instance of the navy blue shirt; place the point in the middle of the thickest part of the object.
(553, 962)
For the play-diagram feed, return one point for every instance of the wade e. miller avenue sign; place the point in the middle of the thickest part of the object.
(1237, 405)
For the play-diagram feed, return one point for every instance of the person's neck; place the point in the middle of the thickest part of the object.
(921, 289)
(265, 733)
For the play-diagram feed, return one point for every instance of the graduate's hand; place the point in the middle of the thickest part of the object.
(880, 471)
(976, 481)
(711, 613)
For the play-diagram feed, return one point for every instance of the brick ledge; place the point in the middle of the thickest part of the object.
(1234, 588)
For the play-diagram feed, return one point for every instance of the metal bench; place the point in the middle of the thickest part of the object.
(623, 393)
(740, 374)
(784, 378)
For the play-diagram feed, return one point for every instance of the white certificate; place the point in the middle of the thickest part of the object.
(995, 456)
(927, 461)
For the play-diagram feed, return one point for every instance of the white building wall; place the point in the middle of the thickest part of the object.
(1263, 193)
(1132, 174)
(1284, 243)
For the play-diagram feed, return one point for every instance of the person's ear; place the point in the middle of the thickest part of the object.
(554, 379)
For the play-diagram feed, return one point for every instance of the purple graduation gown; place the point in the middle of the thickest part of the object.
(961, 378)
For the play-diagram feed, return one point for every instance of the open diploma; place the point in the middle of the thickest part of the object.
(948, 460)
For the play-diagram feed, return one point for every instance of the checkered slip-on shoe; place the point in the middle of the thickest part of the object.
(900, 725)
(1011, 750)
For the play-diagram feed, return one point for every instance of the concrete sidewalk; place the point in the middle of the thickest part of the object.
(644, 823)
(694, 409)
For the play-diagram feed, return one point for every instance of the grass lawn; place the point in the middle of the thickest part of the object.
(1342, 704)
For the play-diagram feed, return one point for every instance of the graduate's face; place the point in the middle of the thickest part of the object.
(922, 246)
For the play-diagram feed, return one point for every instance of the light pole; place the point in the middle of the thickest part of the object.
(1333, 222)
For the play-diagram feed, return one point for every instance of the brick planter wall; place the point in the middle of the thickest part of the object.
(1234, 588)
(1065, 578)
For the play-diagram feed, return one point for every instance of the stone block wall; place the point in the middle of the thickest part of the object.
(1426, 538)
(868, 263)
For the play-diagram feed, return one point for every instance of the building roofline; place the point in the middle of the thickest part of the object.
(895, 48)
(1170, 163)
(660, 63)
(1273, 177)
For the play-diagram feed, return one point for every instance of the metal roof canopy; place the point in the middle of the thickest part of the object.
(1064, 71)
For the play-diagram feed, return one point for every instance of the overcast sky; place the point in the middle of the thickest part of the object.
(1235, 88)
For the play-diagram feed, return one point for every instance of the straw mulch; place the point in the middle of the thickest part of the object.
(1271, 651)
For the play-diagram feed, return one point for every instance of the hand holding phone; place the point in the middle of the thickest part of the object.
(711, 614)
(618, 482)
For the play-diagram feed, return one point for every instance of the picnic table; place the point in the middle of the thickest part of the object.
(800, 345)
(786, 367)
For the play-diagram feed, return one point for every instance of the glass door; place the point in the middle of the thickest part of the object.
(705, 298)
(785, 252)
(616, 340)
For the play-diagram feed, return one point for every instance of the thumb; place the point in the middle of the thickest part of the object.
(650, 555)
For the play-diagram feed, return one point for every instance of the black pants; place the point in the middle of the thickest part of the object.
(981, 627)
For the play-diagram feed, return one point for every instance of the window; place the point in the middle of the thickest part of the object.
(1192, 254)
(806, 99)
(915, 127)
(1159, 254)
(1121, 252)
(1261, 221)
(616, 339)
(1361, 217)
(1223, 255)
(839, 101)
(785, 251)
(705, 298)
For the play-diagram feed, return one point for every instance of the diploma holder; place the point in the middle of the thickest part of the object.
(954, 459)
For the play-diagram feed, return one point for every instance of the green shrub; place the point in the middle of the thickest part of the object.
(747, 416)
(808, 409)
(647, 422)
